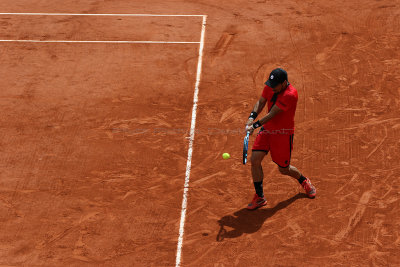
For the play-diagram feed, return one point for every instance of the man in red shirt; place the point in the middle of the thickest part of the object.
(275, 135)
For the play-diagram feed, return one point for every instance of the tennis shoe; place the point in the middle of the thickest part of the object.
(257, 202)
(309, 188)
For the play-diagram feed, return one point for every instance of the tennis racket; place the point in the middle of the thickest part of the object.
(245, 147)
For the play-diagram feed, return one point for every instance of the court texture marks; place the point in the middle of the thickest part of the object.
(115, 115)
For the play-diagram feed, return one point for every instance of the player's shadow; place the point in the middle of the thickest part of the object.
(246, 221)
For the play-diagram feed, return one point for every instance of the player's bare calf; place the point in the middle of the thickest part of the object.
(305, 182)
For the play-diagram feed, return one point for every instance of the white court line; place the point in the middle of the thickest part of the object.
(98, 42)
(190, 150)
(83, 14)
(105, 42)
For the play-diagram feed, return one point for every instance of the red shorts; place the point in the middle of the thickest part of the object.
(280, 146)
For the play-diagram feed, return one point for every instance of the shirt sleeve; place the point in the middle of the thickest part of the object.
(285, 102)
(265, 92)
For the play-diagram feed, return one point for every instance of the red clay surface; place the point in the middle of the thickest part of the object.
(93, 143)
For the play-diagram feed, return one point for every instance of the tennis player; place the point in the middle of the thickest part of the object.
(275, 135)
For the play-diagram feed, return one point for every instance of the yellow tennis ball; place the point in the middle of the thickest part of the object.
(226, 155)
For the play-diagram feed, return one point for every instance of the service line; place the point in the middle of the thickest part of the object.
(100, 41)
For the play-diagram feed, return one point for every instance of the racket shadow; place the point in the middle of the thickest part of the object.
(246, 222)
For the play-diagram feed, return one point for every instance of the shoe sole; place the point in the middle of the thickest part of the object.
(258, 206)
(312, 196)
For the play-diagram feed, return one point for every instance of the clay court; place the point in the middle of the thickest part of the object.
(115, 114)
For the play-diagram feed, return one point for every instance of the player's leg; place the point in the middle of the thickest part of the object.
(281, 151)
(304, 181)
(256, 168)
(291, 171)
(258, 176)
(259, 151)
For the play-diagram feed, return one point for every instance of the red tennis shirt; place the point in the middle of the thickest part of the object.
(283, 122)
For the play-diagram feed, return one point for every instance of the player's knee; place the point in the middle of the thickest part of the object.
(255, 159)
(284, 171)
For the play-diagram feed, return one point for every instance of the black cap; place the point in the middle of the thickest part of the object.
(276, 77)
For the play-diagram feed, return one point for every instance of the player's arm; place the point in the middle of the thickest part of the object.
(272, 113)
(258, 107)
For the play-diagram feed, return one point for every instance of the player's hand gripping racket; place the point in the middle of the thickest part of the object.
(245, 147)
